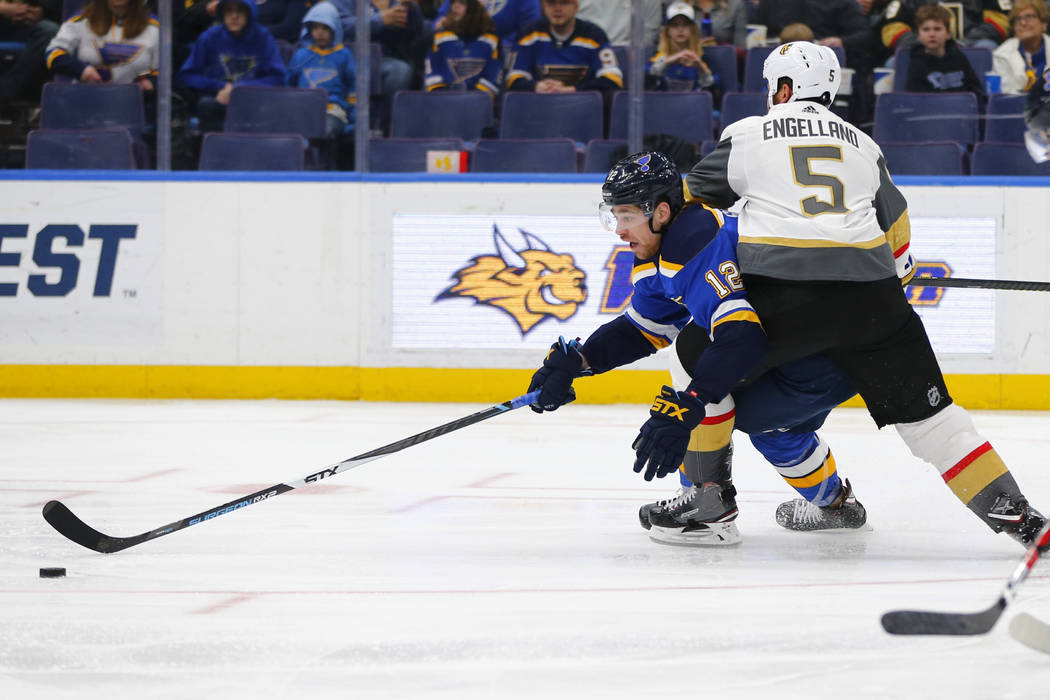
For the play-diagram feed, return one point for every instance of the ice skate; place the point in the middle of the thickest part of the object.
(1017, 518)
(700, 516)
(845, 514)
(648, 508)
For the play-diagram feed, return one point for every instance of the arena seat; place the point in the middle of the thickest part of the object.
(1005, 159)
(441, 114)
(85, 106)
(921, 116)
(1004, 119)
(406, 155)
(599, 157)
(722, 62)
(89, 149)
(233, 151)
(686, 115)
(932, 158)
(524, 156)
(531, 115)
(737, 105)
(277, 110)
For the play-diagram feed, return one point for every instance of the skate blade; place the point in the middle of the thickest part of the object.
(714, 535)
(830, 530)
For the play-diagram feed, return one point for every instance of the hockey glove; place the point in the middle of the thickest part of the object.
(664, 438)
(554, 379)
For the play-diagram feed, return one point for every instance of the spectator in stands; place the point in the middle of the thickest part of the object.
(937, 63)
(466, 52)
(323, 62)
(1021, 59)
(237, 52)
(109, 41)
(284, 18)
(614, 18)
(678, 63)
(562, 53)
(510, 16)
(835, 23)
(985, 23)
(26, 23)
(190, 19)
(722, 22)
(397, 25)
(796, 32)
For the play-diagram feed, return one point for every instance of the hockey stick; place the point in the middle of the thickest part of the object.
(69, 525)
(924, 622)
(1031, 631)
(1017, 285)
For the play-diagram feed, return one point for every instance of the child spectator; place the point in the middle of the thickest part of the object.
(466, 53)
(678, 62)
(937, 63)
(110, 41)
(26, 23)
(509, 16)
(237, 52)
(796, 31)
(1021, 59)
(323, 62)
(561, 53)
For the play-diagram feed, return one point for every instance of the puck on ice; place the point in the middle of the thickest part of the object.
(52, 572)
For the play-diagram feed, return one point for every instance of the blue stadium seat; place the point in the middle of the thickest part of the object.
(922, 116)
(85, 106)
(406, 155)
(598, 157)
(524, 156)
(1004, 121)
(979, 58)
(756, 57)
(687, 115)
(934, 158)
(1005, 159)
(737, 105)
(443, 113)
(232, 151)
(89, 149)
(530, 115)
(722, 62)
(277, 110)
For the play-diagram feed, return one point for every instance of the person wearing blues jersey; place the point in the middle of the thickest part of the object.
(109, 41)
(322, 61)
(465, 55)
(562, 53)
(678, 63)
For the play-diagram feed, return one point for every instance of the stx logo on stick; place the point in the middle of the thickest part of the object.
(321, 474)
(673, 410)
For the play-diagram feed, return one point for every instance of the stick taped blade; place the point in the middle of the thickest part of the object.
(70, 526)
(924, 622)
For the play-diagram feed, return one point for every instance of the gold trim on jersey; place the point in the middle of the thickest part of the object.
(812, 242)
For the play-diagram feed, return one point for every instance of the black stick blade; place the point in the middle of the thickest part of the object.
(71, 527)
(925, 622)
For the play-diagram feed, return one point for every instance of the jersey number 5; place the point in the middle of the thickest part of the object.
(801, 157)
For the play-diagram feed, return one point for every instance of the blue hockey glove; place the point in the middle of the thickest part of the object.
(664, 438)
(554, 379)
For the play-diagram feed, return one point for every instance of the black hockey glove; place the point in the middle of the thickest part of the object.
(664, 438)
(554, 379)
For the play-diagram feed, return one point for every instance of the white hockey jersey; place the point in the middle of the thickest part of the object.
(125, 59)
(818, 202)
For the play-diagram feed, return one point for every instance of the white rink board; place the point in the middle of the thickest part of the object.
(331, 274)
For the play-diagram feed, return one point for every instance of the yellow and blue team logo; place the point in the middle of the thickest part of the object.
(928, 296)
(530, 285)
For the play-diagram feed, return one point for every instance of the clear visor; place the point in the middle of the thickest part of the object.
(628, 217)
(1038, 145)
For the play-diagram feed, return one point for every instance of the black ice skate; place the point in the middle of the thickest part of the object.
(845, 514)
(701, 516)
(648, 508)
(1017, 518)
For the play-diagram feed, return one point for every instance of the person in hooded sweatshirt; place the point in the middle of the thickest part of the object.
(323, 62)
(240, 51)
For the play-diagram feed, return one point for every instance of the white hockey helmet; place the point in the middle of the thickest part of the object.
(813, 70)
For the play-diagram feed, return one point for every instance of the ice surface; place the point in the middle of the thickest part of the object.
(501, 561)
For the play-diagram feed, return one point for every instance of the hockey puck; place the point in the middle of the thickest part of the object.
(52, 572)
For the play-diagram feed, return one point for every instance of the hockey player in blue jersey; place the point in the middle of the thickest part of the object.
(465, 54)
(561, 53)
(687, 289)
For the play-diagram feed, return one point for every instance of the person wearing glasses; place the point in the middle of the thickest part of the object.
(1021, 59)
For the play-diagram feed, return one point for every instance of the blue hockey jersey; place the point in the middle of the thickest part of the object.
(455, 63)
(584, 60)
(332, 69)
(676, 77)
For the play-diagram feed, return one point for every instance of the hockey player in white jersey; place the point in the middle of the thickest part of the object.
(823, 248)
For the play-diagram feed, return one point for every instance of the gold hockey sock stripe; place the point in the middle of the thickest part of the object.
(974, 472)
(825, 471)
(713, 433)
